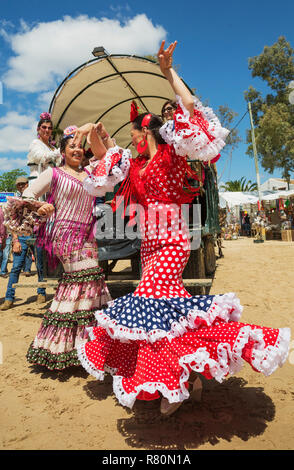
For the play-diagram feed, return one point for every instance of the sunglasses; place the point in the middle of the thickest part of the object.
(167, 110)
(45, 127)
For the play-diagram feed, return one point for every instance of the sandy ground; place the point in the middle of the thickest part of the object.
(71, 410)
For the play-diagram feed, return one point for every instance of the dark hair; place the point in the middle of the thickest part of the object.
(63, 143)
(171, 102)
(155, 124)
(89, 153)
(44, 120)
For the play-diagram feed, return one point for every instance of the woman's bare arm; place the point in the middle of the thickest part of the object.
(165, 58)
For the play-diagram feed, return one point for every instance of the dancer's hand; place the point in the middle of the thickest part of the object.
(103, 134)
(46, 210)
(165, 56)
(165, 59)
(82, 132)
(92, 135)
(101, 130)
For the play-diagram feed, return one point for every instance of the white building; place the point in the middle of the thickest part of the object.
(276, 184)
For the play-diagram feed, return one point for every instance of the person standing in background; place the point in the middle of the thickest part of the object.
(42, 152)
(5, 243)
(3, 234)
(20, 250)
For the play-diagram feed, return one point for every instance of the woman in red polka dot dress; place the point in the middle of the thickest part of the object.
(153, 339)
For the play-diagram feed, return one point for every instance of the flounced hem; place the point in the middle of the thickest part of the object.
(193, 140)
(114, 174)
(82, 276)
(69, 320)
(88, 366)
(225, 307)
(51, 361)
(62, 306)
(229, 362)
(267, 360)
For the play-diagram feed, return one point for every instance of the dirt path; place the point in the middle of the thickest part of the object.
(71, 410)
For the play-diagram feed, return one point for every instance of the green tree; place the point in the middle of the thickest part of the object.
(7, 180)
(239, 185)
(273, 114)
(227, 118)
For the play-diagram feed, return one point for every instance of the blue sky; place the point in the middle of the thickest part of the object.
(41, 42)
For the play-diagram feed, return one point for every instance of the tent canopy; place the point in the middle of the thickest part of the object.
(103, 89)
(232, 199)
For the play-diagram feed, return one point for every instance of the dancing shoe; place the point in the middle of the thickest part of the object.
(167, 408)
(195, 389)
(6, 305)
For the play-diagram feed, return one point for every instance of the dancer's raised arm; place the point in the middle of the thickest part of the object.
(165, 59)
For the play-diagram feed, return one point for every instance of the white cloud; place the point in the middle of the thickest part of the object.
(16, 132)
(45, 53)
(7, 164)
(44, 99)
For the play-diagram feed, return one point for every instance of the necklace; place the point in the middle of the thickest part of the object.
(76, 173)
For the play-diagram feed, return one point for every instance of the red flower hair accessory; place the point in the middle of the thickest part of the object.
(134, 111)
(146, 120)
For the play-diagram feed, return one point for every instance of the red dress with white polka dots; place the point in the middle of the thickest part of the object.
(150, 340)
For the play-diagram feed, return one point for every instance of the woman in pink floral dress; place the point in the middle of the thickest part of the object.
(67, 235)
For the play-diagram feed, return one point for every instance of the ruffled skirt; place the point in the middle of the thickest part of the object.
(152, 339)
(80, 292)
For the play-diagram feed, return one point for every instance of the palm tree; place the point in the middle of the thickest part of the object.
(239, 185)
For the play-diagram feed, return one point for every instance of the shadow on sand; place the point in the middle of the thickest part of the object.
(227, 410)
(62, 375)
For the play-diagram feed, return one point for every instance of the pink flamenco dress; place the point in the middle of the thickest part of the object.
(152, 339)
(68, 238)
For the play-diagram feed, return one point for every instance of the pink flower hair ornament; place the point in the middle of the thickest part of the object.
(45, 116)
(69, 131)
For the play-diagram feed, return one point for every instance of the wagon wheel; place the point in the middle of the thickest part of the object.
(195, 269)
(136, 267)
(209, 256)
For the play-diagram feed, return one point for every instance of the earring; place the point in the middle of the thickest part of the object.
(142, 146)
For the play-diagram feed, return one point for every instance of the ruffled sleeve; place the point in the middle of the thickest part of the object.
(20, 213)
(108, 172)
(200, 137)
(40, 153)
